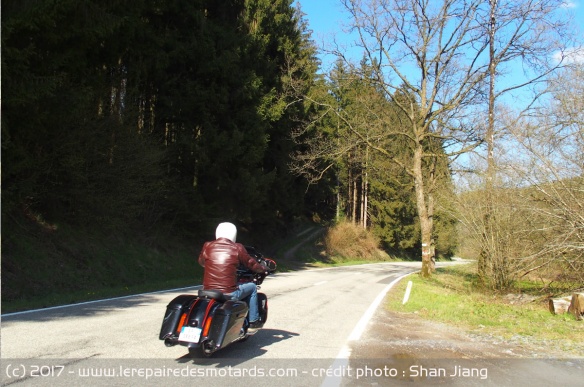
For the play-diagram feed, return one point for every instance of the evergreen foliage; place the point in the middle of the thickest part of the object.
(148, 122)
(146, 119)
(141, 111)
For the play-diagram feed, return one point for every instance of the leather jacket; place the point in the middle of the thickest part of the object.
(221, 258)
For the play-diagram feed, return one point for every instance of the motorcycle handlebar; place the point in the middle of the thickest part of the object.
(246, 275)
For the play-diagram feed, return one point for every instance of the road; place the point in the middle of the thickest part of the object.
(325, 328)
(312, 314)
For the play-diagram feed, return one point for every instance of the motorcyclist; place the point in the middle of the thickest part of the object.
(221, 258)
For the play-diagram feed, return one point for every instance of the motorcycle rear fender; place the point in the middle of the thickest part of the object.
(201, 311)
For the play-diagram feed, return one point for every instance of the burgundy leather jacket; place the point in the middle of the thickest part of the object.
(221, 258)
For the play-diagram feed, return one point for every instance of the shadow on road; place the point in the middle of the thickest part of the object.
(240, 352)
(97, 307)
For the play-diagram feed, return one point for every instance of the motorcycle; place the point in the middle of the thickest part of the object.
(209, 321)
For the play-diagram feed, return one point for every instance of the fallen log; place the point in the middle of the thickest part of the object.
(577, 305)
(559, 305)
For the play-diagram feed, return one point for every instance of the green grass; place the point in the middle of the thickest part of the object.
(452, 296)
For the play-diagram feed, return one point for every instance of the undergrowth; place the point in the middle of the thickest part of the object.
(347, 242)
(71, 265)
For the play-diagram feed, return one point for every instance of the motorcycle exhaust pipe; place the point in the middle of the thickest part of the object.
(169, 342)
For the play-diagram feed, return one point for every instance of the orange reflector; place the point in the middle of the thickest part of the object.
(181, 322)
(207, 326)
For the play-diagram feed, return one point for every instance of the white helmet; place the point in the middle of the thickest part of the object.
(226, 230)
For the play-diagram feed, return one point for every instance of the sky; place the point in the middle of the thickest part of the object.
(327, 18)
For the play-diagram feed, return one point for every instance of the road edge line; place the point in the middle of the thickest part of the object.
(97, 301)
(342, 359)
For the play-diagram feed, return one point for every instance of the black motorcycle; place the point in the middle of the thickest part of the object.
(209, 321)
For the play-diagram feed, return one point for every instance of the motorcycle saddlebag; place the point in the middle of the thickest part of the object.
(174, 310)
(227, 322)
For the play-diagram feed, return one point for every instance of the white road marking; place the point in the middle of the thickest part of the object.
(342, 360)
(305, 231)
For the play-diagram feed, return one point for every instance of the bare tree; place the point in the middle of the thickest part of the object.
(443, 56)
(536, 222)
(533, 34)
(431, 60)
(552, 145)
(437, 62)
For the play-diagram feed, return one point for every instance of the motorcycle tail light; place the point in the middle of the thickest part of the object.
(181, 323)
(207, 326)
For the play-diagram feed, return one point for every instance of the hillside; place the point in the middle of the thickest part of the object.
(44, 266)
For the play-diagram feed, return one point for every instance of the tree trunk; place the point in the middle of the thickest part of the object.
(362, 207)
(577, 305)
(365, 191)
(559, 305)
(355, 202)
(338, 214)
(365, 199)
(484, 256)
(426, 224)
(430, 214)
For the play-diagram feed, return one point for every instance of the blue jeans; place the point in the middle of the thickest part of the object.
(248, 292)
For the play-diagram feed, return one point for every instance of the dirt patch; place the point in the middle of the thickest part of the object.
(407, 335)
(427, 352)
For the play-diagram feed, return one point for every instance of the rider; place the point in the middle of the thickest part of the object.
(221, 258)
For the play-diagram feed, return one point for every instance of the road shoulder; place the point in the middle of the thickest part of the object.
(406, 348)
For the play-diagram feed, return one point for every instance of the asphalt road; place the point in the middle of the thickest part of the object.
(313, 314)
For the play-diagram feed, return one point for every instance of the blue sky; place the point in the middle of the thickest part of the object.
(323, 15)
(327, 18)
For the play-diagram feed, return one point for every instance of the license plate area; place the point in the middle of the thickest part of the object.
(190, 334)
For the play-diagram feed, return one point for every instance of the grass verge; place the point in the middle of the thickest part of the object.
(451, 296)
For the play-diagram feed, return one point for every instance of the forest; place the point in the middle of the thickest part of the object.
(130, 128)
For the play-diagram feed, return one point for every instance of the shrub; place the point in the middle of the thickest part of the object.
(349, 241)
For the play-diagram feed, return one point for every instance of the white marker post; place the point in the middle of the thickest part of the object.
(408, 290)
